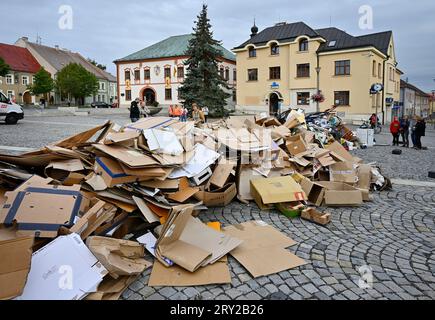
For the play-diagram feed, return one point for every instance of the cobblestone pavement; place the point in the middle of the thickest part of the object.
(394, 235)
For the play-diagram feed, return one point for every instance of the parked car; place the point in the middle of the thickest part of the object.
(100, 104)
(12, 112)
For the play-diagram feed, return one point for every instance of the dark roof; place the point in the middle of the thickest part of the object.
(404, 84)
(282, 32)
(175, 46)
(343, 40)
(19, 59)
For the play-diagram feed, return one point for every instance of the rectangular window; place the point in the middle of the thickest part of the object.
(168, 94)
(252, 74)
(274, 50)
(33, 79)
(127, 95)
(235, 75)
(10, 94)
(25, 80)
(374, 69)
(379, 70)
(275, 73)
(222, 72)
(303, 98)
(180, 72)
(342, 68)
(127, 74)
(167, 72)
(234, 96)
(342, 98)
(136, 75)
(227, 74)
(179, 93)
(252, 52)
(9, 79)
(147, 74)
(303, 70)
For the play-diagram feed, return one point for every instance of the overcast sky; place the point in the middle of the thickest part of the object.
(106, 30)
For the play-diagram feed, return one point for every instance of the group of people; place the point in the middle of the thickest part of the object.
(138, 108)
(403, 127)
(199, 115)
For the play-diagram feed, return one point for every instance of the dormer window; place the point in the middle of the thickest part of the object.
(303, 45)
(252, 52)
(332, 43)
(274, 49)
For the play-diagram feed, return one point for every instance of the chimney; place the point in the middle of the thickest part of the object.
(25, 39)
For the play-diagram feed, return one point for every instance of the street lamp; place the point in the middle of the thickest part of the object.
(318, 87)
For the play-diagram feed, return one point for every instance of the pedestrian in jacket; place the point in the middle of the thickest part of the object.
(420, 131)
(395, 131)
(134, 110)
(404, 130)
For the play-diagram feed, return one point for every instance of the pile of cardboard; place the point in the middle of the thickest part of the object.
(89, 213)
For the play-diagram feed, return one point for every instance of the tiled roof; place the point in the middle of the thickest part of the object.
(60, 58)
(343, 40)
(175, 46)
(282, 33)
(19, 59)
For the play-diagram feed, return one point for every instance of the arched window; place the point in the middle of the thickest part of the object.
(274, 49)
(303, 45)
(222, 72)
(252, 52)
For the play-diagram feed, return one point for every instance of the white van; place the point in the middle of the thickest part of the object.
(10, 111)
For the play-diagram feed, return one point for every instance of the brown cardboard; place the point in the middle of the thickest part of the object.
(244, 177)
(314, 191)
(143, 174)
(184, 193)
(16, 255)
(217, 198)
(83, 137)
(341, 194)
(119, 257)
(276, 190)
(165, 184)
(263, 249)
(41, 211)
(364, 172)
(338, 149)
(296, 145)
(280, 132)
(61, 170)
(96, 182)
(292, 122)
(150, 216)
(131, 157)
(175, 276)
(111, 172)
(343, 172)
(222, 173)
(311, 214)
(121, 137)
(111, 289)
(189, 243)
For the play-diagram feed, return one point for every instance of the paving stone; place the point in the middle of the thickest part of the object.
(156, 296)
(146, 291)
(191, 292)
(310, 288)
(328, 290)
(253, 296)
(182, 296)
(271, 288)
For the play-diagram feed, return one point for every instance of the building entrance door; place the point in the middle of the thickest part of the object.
(273, 104)
(149, 96)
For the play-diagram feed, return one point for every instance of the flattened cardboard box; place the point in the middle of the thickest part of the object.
(263, 249)
(112, 172)
(188, 242)
(218, 198)
(41, 211)
(341, 194)
(175, 276)
(131, 157)
(222, 173)
(343, 172)
(244, 177)
(16, 255)
(50, 264)
(296, 145)
(267, 192)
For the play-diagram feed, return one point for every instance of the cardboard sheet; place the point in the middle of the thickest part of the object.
(64, 269)
(130, 157)
(121, 137)
(221, 173)
(150, 216)
(263, 249)
(162, 141)
(15, 260)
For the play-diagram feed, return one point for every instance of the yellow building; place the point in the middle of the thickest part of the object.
(284, 65)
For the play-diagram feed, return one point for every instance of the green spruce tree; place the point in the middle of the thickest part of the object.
(4, 68)
(203, 84)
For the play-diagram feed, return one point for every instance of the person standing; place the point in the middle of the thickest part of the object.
(183, 116)
(404, 130)
(205, 111)
(134, 110)
(420, 131)
(197, 114)
(395, 131)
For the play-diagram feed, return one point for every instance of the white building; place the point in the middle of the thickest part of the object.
(156, 72)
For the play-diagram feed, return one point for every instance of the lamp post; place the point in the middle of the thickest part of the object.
(318, 87)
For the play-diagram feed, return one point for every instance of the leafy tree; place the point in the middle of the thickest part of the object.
(4, 68)
(43, 83)
(75, 81)
(98, 65)
(203, 84)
